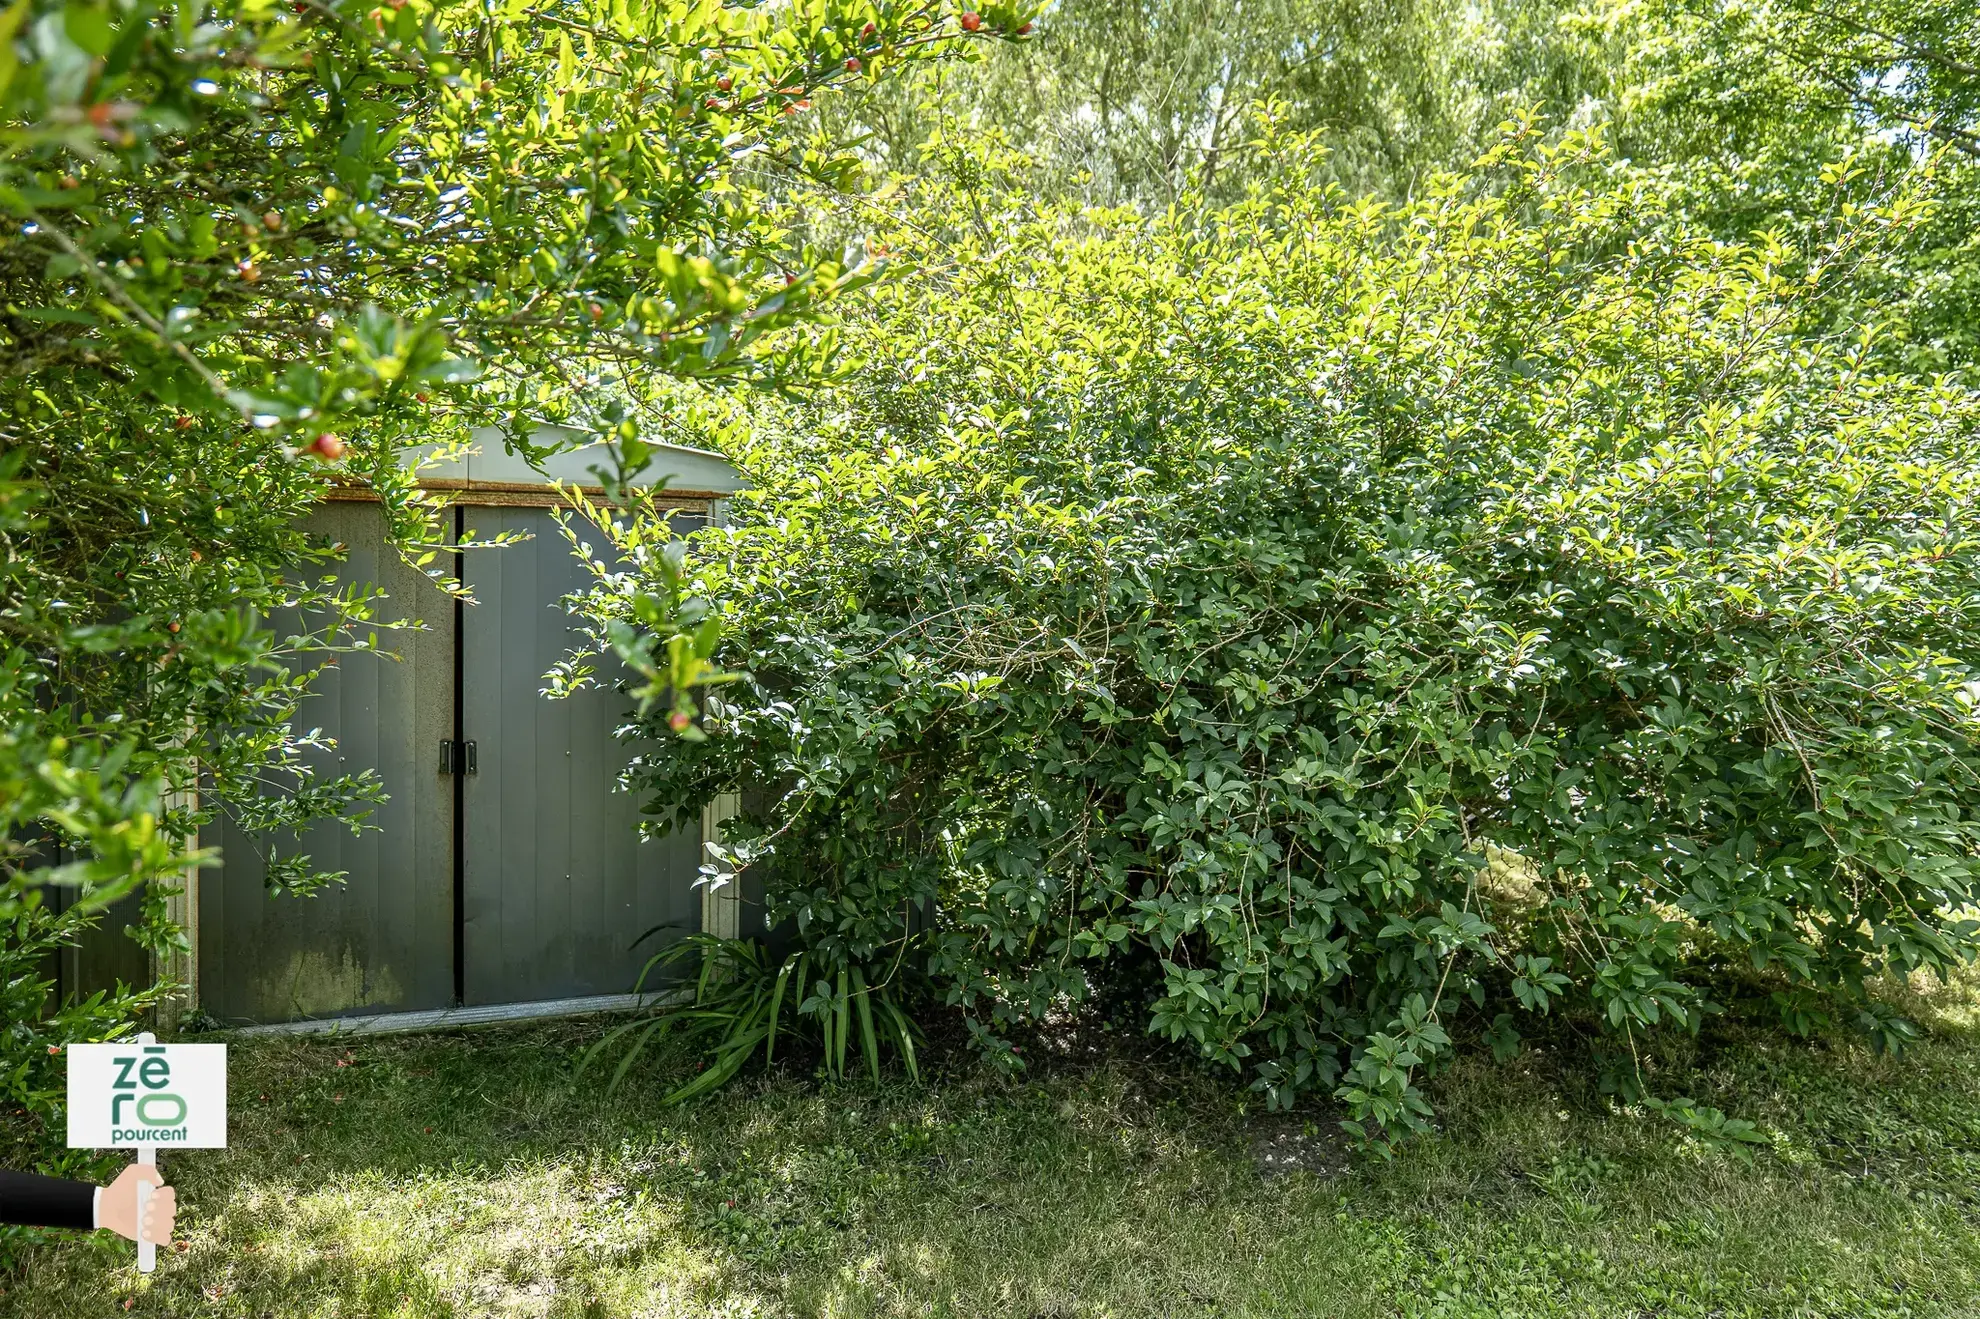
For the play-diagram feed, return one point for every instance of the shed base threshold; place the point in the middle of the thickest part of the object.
(491, 1014)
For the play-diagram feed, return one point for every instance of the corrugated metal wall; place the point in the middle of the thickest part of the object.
(383, 940)
(554, 883)
(558, 883)
(103, 956)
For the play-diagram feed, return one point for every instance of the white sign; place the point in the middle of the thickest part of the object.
(158, 1096)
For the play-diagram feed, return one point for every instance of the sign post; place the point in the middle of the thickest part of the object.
(147, 1248)
(141, 1095)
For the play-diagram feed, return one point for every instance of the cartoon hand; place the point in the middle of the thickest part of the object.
(118, 1210)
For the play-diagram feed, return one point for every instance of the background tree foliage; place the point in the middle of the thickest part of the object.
(1127, 103)
(1133, 101)
(1346, 628)
(251, 248)
(1749, 102)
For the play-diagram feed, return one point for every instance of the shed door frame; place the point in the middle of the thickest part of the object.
(235, 957)
(557, 895)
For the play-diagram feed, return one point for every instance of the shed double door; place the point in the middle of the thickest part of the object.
(523, 880)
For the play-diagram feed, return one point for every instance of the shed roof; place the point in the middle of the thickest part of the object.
(489, 463)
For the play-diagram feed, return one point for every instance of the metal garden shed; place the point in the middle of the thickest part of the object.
(505, 870)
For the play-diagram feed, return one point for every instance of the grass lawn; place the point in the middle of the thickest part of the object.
(473, 1175)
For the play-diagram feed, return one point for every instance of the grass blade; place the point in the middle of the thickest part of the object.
(656, 1027)
(904, 1036)
(861, 1001)
(667, 956)
(793, 967)
(842, 1028)
(726, 1065)
(590, 1055)
(825, 1026)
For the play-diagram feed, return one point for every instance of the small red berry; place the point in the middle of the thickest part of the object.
(184, 423)
(1024, 29)
(327, 447)
(867, 31)
(724, 82)
(678, 721)
(250, 273)
(597, 312)
(852, 65)
(273, 220)
(971, 21)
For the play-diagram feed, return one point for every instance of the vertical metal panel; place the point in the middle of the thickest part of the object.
(558, 883)
(382, 940)
(103, 956)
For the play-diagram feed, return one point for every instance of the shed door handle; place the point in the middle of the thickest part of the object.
(458, 757)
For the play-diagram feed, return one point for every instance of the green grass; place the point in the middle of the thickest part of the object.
(472, 1175)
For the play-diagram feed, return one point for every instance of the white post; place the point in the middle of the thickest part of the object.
(147, 1250)
(721, 906)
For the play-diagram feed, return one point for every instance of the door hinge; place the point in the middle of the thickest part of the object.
(458, 757)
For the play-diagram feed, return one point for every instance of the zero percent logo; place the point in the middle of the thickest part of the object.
(140, 1083)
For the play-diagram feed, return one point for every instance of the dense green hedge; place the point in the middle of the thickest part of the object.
(1375, 617)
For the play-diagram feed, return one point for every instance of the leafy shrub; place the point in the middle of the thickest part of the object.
(138, 699)
(242, 242)
(1510, 599)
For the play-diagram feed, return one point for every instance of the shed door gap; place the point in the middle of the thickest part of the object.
(460, 780)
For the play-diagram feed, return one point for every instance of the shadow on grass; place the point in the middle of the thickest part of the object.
(480, 1175)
